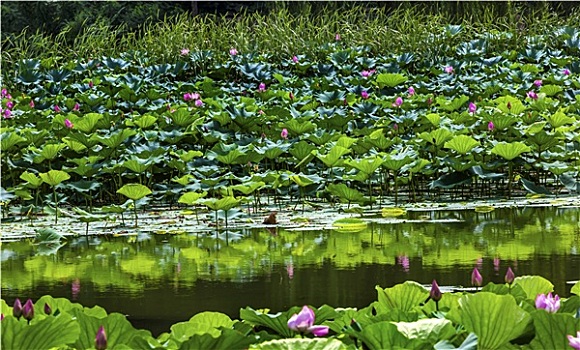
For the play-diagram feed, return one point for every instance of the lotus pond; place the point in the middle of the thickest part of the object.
(170, 268)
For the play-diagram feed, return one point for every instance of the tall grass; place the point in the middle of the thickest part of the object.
(281, 32)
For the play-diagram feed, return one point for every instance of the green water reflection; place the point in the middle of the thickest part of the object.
(159, 279)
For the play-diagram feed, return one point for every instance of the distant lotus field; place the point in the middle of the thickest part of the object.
(348, 126)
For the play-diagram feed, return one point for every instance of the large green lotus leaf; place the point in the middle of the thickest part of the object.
(534, 285)
(345, 193)
(551, 90)
(576, 288)
(134, 191)
(202, 323)
(32, 180)
(502, 121)
(50, 151)
(451, 180)
(333, 156)
(552, 329)
(54, 177)
(249, 187)
(405, 296)
(191, 198)
(509, 151)
(345, 141)
(118, 329)
(301, 150)
(298, 126)
(430, 330)
(115, 139)
(74, 145)
(533, 188)
(137, 165)
(366, 165)
(88, 122)
(437, 137)
(570, 305)
(434, 118)
(495, 319)
(470, 343)
(9, 140)
(189, 155)
(60, 304)
(277, 322)
(378, 139)
(461, 144)
(384, 335)
(225, 203)
(183, 117)
(390, 79)
(47, 234)
(535, 128)
(231, 157)
(304, 180)
(504, 289)
(451, 105)
(46, 333)
(559, 119)
(146, 121)
(229, 339)
(300, 344)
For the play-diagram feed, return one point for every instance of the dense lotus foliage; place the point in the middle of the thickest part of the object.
(521, 314)
(222, 128)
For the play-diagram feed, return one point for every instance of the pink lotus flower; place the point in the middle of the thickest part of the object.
(337, 37)
(303, 322)
(91, 84)
(548, 302)
(184, 52)
(188, 96)
(411, 91)
(233, 51)
(7, 114)
(56, 108)
(472, 107)
(366, 73)
(10, 104)
(31, 104)
(4, 92)
(284, 133)
(9, 96)
(364, 94)
(68, 124)
(532, 95)
(574, 342)
(398, 102)
(538, 83)
(449, 69)
(261, 87)
(198, 103)
(566, 71)
(76, 107)
(295, 59)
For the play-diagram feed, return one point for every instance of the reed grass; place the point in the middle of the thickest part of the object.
(282, 32)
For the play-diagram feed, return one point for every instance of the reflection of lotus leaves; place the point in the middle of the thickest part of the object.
(142, 265)
(194, 253)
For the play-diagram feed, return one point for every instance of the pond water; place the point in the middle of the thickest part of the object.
(157, 280)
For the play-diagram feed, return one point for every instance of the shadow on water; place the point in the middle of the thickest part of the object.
(158, 280)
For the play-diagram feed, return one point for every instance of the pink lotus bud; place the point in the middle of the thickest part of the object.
(284, 133)
(17, 308)
(47, 309)
(538, 83)
(509, 276)
(4, 92)
(395, 126)
(10, 104)
(233, 51)
(365, 73)
(476, 278)
(28, 310)
(198, 103)
(566, 71)
(56, 108)
(262, 87)
(295, 59)
(411, 91)
(184, 52)
(68, 124)
(291, 95)
(195, 96)
(490, 126)
(449, 69)
(31, 104)
(435, 292)
(91, 84)
(472, 107)
(337, 37)
(187, 97)
(398, 102)
(76, 107)
(7, 114)
(509, 105)
(364, 94)
(101, 339)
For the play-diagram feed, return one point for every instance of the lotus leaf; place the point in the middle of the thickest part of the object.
(509, 151)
